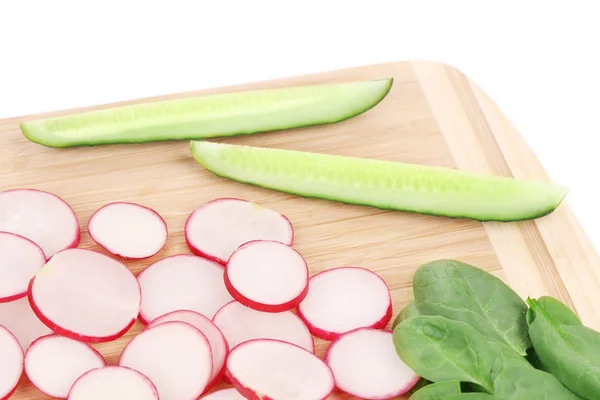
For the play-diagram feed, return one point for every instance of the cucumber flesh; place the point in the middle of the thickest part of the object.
(209, 116)
(382, 184)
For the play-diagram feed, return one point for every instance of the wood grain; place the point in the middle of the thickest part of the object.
(433, 115)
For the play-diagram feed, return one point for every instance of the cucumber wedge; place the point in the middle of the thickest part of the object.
(219, 115)
(382, 184)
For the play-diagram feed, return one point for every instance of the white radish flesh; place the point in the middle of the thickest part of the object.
(270, 369)
(215, 337)
(343, 299)
(365, 364)
(224, 394)
(18, 317)
(85, 295)
(116, 383)
(42, 217)
(20, 259)
(175, 356)
(53, 363)
(267, 276)
(11, 363)
(240, 324)
(128, 230)
(216, 229)
(182, 282)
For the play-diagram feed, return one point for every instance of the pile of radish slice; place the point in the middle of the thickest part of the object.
(241, 308)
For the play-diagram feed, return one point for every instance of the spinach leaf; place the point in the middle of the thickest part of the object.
(409, 310)
(470, 396)
(570, 352)
(462, 292)
(557, 310)
(526, 383)
(421, 384)
(437, 391)
(440, 349)
(504, 357)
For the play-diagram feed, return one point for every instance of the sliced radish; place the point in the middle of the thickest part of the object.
(18, 317)
(182, 282)
(41, 217)
(240, 324)
(343, 299)
(270, 369)
(113, 383)
(267, 276)
(175, 356)
(216, 229)
(365, 364)
(224, 394)
(11, 363)
(128, 230)
(85, 295)
(53, 363)
(215, 337)
(20, 259)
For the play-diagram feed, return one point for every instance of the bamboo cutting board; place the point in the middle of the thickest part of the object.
(433, 115)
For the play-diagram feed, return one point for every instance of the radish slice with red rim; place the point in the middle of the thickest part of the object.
(128, 230)
(18, 317)
(365, 364)
(215, 337)
(175, 356)
(85, 295)
(11, 363)
(267, 276)
(42, 217)
(224, 394)
(343, 299)
(240, 324)
(216, 229)
(271, 369)
(182, 282)
(20, 259)
(113, 383)
(53, 363)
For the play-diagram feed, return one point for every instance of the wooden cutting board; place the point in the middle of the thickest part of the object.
(433, 115)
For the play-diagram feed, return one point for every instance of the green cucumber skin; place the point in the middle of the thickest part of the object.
(222, 115)
(227, 161)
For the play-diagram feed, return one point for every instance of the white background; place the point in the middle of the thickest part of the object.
(539, 60)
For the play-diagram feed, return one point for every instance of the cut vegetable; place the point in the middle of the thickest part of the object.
(342, 299)
(11, 363)
(18, 317)
(240, 324)
(20, 259)
(216, 229)
(182, 282)
(224, 394)
(227, 114)
(113, 383)
(175, 356)
(267, 276)
(382, 184)
(264, 369)
(215, 337)
(42, 217)
(128, 230)
(53, 363)
(85, 295)
(365, 364)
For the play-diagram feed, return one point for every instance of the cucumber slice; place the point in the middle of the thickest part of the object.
(382, 184)
(229, 114)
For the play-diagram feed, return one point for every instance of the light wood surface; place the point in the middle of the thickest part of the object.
(433, 115)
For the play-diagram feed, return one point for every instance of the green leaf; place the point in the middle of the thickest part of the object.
(437, 391)
(570, 352)
(504, 357)
(462, 292)
(471, 396)
(409, 310)
(440, 349)
(519, 383)
(557, 310)
(421, 384)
